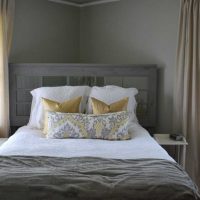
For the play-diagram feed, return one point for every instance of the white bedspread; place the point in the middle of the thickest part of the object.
(27, 141)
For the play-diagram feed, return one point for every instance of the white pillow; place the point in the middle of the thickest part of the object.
(111, 93)
(59, 94)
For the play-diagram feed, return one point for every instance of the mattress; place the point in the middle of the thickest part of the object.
(34, 167)
(32, 142)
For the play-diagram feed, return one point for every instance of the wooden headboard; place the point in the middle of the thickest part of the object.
(27, 76)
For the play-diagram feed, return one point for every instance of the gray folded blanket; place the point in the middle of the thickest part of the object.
(86, 178)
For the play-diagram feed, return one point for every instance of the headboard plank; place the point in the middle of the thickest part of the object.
(26, 77)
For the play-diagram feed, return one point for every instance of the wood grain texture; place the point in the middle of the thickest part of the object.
(28, 76)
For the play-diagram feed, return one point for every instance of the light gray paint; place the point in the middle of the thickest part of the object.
(45, 32)
(124, 32)
(137, 32)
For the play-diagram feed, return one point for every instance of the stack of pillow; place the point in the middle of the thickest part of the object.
(84, 112)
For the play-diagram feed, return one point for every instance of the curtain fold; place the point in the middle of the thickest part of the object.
(7, 8)
(187, 84)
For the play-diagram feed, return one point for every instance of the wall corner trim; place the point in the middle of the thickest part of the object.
(83, 4)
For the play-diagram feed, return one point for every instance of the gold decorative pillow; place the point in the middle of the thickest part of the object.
(69, 106)
(99, 107)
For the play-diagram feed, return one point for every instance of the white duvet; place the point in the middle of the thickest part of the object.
(28, 141)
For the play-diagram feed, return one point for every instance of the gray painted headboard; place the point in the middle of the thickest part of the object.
(26, 77)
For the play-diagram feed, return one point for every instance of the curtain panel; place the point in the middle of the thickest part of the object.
(6, 28)
(187, 84)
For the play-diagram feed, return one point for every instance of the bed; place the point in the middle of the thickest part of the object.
(34, 167)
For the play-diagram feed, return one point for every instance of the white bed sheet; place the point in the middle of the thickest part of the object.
(32, 142)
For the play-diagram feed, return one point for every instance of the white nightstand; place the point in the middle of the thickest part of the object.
(2, 140)
(164, 139)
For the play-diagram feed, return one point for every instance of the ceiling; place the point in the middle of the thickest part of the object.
(82, 3)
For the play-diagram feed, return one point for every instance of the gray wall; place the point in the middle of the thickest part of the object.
(128, 31)
(45, 32)
(135, 31)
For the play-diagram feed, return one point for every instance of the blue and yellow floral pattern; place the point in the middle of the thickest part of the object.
(111, 126)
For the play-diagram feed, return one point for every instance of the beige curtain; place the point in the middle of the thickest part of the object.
(6, 26)
(187, 90)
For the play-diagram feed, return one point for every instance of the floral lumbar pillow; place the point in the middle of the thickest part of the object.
(111, 126)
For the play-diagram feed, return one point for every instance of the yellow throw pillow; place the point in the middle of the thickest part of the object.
(99, 107)
(69, 106)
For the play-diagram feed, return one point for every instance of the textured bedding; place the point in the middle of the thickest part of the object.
(32, 142)
(34, 167)
(86, 178)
